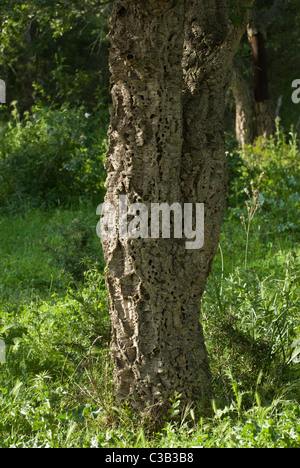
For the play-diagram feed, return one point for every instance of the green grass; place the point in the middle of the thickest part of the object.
(25, 263)
(55, 389)
(56, 386)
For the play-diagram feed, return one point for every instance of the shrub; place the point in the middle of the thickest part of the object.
(53, 155)
(77, 247)
(279, 159)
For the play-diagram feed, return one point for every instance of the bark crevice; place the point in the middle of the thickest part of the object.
(166, 146)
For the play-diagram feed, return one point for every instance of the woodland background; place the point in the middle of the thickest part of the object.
(55, 387)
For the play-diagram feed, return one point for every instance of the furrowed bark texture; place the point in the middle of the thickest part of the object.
(211, 43)
(154, 346)
(166, 146)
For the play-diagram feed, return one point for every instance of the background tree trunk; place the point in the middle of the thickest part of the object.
(256, 102)
(265, 114)
(244, 103)
(166, 146)
(211, 43)
(257, 32)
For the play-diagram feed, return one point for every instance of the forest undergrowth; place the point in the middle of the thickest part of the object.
(56, 384)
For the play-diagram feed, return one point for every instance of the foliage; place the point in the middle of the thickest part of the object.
(253, 322)
(56, 387)
(54, 154)
(30, 246)
(279, 198)
(54, 51)
(49, 346)
(79, 249)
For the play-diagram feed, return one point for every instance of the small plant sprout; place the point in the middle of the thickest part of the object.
(252, 205)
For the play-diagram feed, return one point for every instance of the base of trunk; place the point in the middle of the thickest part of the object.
(265, 119)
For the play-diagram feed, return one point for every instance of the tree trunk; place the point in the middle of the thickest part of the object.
(265, 118)
(244, 103)
(263, 107)
(265, 115)
(166, 146)
(211, 43)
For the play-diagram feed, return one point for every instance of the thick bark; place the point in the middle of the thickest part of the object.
(153, 343)
(211, 43)
(210, 46)
(166, 146)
